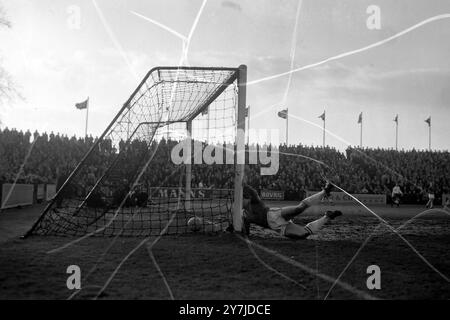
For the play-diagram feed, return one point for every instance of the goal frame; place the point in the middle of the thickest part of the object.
(240, 75)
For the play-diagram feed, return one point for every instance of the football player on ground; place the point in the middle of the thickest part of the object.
(280, 219)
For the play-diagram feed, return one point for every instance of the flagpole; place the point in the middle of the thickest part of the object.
(324, 119)
(360, 134)
(396, 134)
(287, 127)
(87, 117)
(429, 136)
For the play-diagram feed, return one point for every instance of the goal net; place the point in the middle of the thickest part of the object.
(169, 162)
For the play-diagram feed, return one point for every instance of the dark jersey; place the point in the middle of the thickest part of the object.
(256, 210)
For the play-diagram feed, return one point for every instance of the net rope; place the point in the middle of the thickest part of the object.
(114, 192)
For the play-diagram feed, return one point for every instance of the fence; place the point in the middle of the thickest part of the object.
(19, 194)
(343, 198)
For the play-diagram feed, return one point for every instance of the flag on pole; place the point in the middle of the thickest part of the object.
(283, 113)
(360, 118)
(322, 116)
(82, 105)
(428, 120)
(396, 118)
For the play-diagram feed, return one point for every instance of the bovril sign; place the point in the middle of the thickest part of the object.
(272, 194)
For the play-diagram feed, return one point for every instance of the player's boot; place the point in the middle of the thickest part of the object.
(328, 187)
(333, 214)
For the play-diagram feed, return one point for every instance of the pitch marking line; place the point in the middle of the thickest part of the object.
(182, 58)
(398, 234)
(112, 218)
(113, 241)
(249, 244)
(351, 260)
(120, 49)
(373, 233)
(297, 264)
(111, 277)
(166, 283)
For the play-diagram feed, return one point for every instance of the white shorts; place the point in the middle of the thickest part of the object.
(276, 221)
(431, 196)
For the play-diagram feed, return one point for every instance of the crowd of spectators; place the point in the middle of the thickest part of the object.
(45, 158)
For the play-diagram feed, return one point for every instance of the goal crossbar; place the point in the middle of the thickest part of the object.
(175, 95)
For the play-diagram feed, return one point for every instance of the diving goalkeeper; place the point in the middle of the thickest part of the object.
(280, 219)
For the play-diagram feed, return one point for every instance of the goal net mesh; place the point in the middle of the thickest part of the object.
(128, 184)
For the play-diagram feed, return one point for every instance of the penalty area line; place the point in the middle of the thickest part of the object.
(311, 271)
(249, 243)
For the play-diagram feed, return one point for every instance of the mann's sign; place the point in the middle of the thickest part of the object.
(341, 197)
(272, 195)
(196, 193)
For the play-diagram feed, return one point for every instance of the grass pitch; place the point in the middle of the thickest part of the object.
(225, 266)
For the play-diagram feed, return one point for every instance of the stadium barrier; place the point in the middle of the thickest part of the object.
(343, 198)
(50, 191)
(272, 194)
(21, 194)
(15, 195)
(196, 193)
(40, 192)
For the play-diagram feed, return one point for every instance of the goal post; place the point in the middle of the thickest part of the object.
(240, 148)
(189, 167)
(127, 184)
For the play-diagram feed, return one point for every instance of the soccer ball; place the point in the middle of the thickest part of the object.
(195, 224)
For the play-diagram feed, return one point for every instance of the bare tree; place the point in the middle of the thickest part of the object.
(7, 87)
(4, 22)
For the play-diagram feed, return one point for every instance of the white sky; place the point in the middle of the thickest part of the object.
(56, 66)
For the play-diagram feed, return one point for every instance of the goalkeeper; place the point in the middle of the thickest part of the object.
(280, 219)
